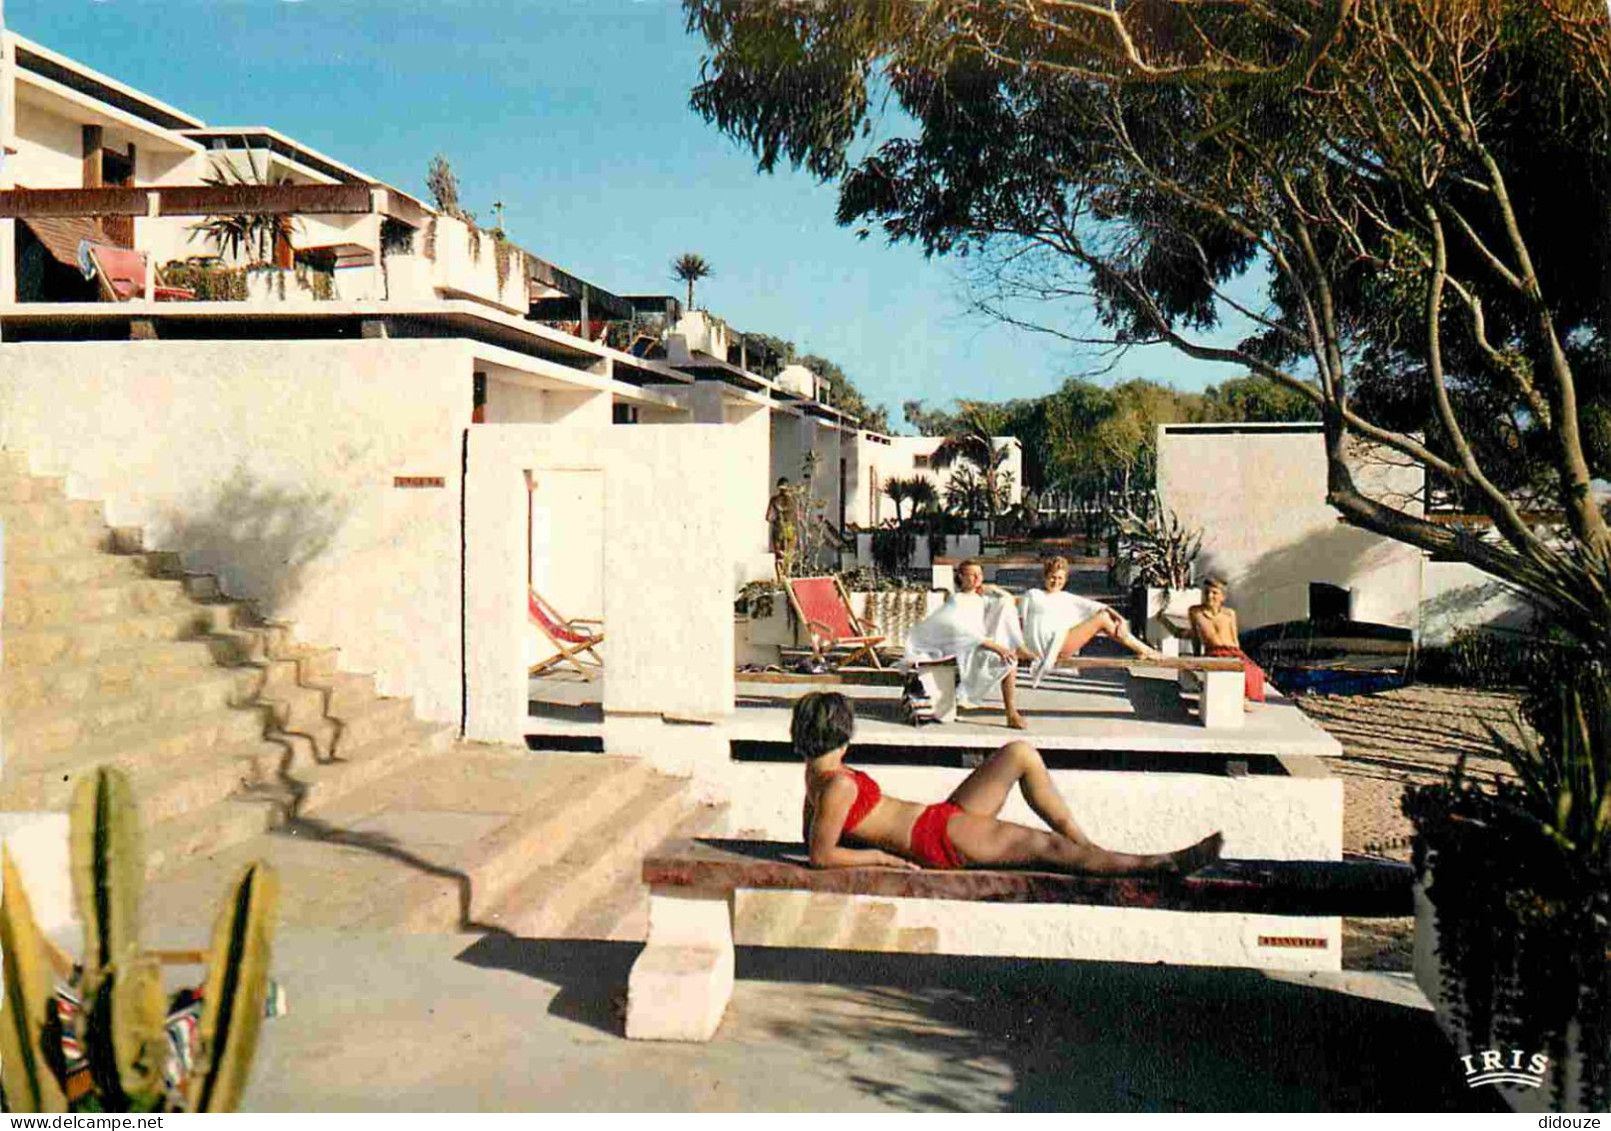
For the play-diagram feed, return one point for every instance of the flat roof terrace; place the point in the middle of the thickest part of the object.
(77, 321)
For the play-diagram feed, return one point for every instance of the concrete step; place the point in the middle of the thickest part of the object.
(361, 722)
(551, 897)
(30, 488)
(270, 785)
(44, 607)
(45, 782)
(42, 731)
(22, 517)
(405, 851)
(91, 639)
(78, 567)
(621, 912)
(27, 542)
(117, 672)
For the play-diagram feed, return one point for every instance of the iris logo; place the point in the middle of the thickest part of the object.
(1501, 1066)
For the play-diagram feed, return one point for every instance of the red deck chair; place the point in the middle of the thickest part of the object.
(823, 606)
(574, 643)
(120, 272)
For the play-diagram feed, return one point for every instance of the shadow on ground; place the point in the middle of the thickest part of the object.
(941, 1033)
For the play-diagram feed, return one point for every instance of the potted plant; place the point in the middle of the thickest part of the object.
(1158, 553)
(259, 241)
(99, 1033)
(1513, 903)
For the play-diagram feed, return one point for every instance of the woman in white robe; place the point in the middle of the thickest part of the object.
(979, 627)
(1057, 623)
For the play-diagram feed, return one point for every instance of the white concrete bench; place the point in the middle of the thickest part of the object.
(682, 981)
(1218, 681)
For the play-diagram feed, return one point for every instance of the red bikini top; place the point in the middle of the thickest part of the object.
(867, 795)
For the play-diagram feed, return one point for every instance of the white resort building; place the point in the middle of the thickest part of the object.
(256, 406)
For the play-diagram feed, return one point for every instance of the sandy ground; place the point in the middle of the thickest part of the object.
(1390, 740)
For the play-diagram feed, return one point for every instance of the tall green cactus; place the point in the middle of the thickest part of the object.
(124, 1005)
(237, 985)
(25, 1020)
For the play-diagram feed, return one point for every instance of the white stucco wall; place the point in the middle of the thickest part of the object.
(1455, 595)
(1259, 496)
(668, 553)
(470, 266)
(50, 149)
(901, 456)
(272, 464)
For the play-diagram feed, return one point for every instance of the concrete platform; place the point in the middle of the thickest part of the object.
(1100, 710)
(457, 1023)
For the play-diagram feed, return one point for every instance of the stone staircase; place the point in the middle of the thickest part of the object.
(242, 743)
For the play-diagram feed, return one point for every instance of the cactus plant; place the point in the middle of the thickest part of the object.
(121, 1025)
(29, 1080)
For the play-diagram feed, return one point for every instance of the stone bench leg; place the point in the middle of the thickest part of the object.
(681, 983)
(1220, 707)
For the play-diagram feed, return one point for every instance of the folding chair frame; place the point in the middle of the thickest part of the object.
(823, 638)
(569, 652)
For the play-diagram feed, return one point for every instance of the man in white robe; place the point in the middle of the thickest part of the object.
(979, 628)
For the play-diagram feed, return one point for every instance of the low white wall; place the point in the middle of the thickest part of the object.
(669, 554)
(1262, 817)
(1101, 934)
(272, 464)
(1455, 595)
(1259, 497)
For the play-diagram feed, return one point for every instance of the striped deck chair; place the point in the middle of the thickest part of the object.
(575, 643)
(823, 607)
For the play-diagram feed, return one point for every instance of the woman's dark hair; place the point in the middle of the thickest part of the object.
(823, 721)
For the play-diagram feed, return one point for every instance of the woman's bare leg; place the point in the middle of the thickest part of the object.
(1105, 623)
(985, 841)
(985, 791)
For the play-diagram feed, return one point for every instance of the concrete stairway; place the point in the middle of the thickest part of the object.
(243, 744)
(485, 837)
(117, 656)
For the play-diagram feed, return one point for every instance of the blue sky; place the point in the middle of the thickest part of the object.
(574, 114)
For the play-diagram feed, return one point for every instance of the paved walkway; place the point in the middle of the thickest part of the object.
(497, 1023)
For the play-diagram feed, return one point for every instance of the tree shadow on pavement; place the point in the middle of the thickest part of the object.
(941, 1033)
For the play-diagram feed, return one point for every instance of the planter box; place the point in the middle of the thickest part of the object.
(777, 628)
(1174, 602)
(1562, 1079)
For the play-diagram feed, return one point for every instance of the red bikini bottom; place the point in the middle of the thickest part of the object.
(931, 843)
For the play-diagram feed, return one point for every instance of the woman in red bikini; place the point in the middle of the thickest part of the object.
(961, 831)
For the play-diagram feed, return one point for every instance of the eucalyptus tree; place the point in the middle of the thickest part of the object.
(1403, 200)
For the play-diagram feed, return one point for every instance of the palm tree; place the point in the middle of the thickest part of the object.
(256, 234)
(923, 494)
(899, 491)
(973, 443)
(691, 267)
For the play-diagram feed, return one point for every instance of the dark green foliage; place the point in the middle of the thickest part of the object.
(209, 283)
(1521, 882)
